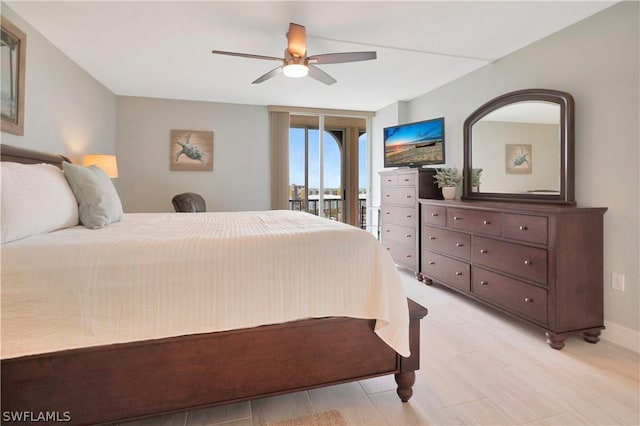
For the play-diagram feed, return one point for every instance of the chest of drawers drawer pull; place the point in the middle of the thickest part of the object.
(432, 237)
(528, 300)
(409, 196)
(409, 236)
(483, 251)
(523, 228)
(486, 222)
(484, 283)
(434, 214)
(528, 262)
(457, 218)
(432, 263)
(459, 274)
(459, 244)
(409, 216)
(408, 256)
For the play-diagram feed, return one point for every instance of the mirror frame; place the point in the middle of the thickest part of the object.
(567, 133)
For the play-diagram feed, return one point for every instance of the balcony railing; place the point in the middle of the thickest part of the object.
(332, 209)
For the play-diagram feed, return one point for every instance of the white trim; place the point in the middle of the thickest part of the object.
(622, 336)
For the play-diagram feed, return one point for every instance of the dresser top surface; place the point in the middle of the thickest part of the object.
(515, 207)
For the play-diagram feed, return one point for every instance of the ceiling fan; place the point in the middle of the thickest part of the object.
(296, 63)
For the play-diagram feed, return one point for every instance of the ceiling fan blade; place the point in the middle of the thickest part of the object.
(297, 45)
(274, 72)
(318, 74)
(246, 55)
(336, 58)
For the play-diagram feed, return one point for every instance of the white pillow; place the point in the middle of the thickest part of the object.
(36, 198)
(98, 200)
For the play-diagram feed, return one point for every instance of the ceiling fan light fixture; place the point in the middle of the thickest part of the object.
(295, 70)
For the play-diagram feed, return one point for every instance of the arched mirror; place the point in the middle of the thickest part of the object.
(519, 147)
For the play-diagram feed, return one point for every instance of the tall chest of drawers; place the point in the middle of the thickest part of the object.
(399, 212)
(540, 263)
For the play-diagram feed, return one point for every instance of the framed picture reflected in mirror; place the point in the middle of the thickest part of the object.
(13, 45)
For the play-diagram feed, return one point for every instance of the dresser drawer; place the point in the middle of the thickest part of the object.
(389, 180)
(406, 179)
(404, 196)
(402, 254)
(450, 242)
(524, 227)
(401, 234)
(446, 270)
(477, 221)
(524, 261)
(434, 215)
(513, 295)
(405, 216)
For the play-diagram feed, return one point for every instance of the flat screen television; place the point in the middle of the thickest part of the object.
(414, 144)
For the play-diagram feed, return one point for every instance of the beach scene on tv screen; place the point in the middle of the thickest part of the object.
(414, 143)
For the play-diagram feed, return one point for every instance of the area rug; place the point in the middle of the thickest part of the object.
(328, 418)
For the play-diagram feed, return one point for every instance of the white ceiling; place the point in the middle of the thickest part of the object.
(162, 49)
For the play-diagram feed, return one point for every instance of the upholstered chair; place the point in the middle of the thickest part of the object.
(189, 202)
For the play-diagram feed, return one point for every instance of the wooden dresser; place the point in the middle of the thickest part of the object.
(539, 263)
(399, 212)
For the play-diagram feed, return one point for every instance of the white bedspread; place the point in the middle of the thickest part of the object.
(162, 275)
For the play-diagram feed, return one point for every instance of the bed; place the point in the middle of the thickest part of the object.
(97, 379)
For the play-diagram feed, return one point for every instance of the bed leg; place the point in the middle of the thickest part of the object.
(405, 383)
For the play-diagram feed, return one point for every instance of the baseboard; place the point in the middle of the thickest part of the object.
(622, 336)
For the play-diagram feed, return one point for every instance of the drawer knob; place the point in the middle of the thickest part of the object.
(528, 262)
(406, 180)
(432, 263)
(483, 251)
(486, 222)
(387, 213)
(459, 244)
(388, 230)
(484, 283)
(408, 235)
(409, 216)
(458, 273)
(408, 196)
(388, 248)
(408, 256)
(528, 300)
(432, 238)
(434, 214)
(387, 195)
(523, 228)
(388, 180)
(456, 218)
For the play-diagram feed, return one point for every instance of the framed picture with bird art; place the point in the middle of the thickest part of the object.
(518, 158)
(191, 150)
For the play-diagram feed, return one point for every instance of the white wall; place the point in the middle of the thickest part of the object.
(66, 110)
(597, 61)
(240, 176)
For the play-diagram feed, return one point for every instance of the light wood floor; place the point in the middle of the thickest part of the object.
(477, 367)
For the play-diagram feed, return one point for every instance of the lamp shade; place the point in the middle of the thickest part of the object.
(107, 163)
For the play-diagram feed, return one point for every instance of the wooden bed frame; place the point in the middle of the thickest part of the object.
(132, 380)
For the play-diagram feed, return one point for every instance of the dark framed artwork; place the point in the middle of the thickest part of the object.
(13, 51)
(191, 150)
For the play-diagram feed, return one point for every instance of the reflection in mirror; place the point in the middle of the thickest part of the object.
(517, 147)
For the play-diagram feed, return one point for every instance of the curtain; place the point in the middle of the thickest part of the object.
(279, 160)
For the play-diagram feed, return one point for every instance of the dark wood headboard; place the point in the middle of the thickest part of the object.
(29, 156)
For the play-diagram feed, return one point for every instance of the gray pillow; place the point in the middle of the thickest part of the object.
(98, 200)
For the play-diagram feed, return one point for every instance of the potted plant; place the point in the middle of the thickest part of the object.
(475, 179)
(448, 179)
